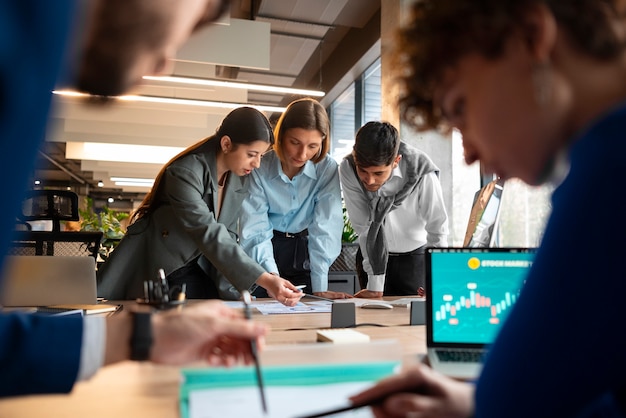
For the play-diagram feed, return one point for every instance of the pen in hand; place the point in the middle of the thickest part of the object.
(164, 288)
(247, 299)
(182, 295)
(375, 401)
(301, 289)
(346, 408)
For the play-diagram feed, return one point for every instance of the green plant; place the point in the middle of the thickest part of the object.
(108, 221)
(348, 235)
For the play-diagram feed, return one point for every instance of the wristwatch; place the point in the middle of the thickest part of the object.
(141, 336)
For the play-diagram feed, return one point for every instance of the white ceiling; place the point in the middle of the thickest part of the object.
(297, 41)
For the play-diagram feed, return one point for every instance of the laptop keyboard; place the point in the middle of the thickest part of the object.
(461, 356)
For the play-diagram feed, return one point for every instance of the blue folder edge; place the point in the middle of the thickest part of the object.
(303, 375)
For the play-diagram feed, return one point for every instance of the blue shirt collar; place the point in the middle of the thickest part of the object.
(276, 170)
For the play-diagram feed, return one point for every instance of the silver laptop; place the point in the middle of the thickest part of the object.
(47, 280)
(469, 293)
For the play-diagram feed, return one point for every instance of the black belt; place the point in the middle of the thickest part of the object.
(420, 250)
(280, 234)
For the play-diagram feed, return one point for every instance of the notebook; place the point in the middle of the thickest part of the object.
(469, 293)
(83, 309)
(48, 280)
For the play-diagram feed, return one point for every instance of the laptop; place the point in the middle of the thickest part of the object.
(469, 293)
(47, 280)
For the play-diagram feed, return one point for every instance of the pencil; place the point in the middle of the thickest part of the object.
(247, 299)
(334, 411)
(372, 402)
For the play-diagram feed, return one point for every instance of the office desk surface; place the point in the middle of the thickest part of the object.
(147, 390)
(412, 339)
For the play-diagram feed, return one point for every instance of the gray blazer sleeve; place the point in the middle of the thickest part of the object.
(189, 189)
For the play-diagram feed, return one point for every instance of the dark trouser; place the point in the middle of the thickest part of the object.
(291, 253)
(199, 284)
(405, 272)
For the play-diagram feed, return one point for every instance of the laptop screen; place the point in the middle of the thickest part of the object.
(470, 291)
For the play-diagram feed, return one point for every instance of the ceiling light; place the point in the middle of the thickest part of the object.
(170, 100)
(130, 181)
(132, 184)
(100, 183)
(136, 180)
(128, 153)
(235, 85)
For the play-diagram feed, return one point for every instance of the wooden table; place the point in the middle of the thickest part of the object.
(392, 324)
(146, 390)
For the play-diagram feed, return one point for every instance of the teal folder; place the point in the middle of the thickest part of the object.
(304, 375)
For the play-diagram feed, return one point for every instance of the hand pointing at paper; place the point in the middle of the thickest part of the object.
(280, 289)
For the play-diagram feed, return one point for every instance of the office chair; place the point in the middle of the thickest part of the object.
(55, 206)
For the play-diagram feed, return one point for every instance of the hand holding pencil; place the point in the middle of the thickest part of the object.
(208, 331)
(247, 300)
(418, 391)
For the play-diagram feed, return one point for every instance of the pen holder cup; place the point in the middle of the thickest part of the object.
(162, 306)
(162, 297)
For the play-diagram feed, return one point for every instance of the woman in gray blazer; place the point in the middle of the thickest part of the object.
(187, 225)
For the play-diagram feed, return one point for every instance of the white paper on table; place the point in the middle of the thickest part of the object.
(268, 308)
(279, 308)
(282, 401)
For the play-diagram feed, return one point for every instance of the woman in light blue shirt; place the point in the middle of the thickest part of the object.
(292, 221)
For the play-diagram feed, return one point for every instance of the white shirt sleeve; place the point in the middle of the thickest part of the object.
(93, 346)
(432, 209)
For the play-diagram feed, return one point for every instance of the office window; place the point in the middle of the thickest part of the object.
(372, 108)
(343, 122)
(465, 182)
(524, 212)
(358, 104)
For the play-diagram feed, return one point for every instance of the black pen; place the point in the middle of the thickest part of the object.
(247, 299)
(308, 295)
(301, 287)
(372, 402)
(375, 401)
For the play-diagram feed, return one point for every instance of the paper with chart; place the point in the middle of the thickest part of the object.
(271, 308)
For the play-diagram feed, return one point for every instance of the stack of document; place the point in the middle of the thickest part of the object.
(290, 390)
(85, 309)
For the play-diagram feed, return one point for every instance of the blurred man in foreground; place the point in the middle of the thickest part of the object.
(124, 39)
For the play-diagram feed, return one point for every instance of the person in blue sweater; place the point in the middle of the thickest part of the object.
(292, 221)
(49, 354)
(526, 82)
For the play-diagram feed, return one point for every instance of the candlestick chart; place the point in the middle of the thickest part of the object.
(472, 296)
